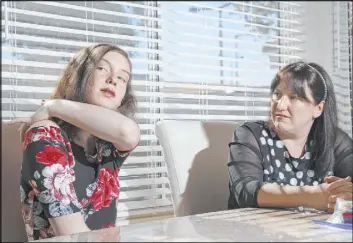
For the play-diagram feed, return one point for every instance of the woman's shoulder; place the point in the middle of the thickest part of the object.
(254, 127)
(342, 138)
(250, 131)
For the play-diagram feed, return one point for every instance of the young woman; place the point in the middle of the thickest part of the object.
(75, 145)
(299, 157)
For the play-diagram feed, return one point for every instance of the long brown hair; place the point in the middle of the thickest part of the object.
(76, 76)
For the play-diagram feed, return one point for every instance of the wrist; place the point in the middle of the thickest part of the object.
(310, 194)
(51, 105)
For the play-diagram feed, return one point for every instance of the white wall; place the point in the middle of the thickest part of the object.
(318, 33)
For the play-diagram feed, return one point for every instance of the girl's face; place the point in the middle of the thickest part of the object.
(109, 81)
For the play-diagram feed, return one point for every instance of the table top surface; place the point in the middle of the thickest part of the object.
(246, 224)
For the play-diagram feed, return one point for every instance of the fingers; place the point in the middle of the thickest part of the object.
(345, 196)
(333, 199)
(330, 179)
(339, 185)
(331, 207)
(19, 120)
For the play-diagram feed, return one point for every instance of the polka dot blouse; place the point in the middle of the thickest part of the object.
(258, 156)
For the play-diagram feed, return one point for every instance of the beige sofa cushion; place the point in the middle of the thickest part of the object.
(12, 226)
(196, 154)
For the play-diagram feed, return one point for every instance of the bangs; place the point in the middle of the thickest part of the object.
(295, 79)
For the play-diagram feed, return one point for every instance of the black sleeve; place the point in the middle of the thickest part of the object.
(245, 168)
(343, 155)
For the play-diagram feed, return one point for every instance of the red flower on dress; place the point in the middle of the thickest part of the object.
(34, 187)
(49, 133)
(83, 202)
(52, 155)
(27, 139)
(111, 224)
(107, 189)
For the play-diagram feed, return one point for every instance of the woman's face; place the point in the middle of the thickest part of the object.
(289, 113)
(109, 81)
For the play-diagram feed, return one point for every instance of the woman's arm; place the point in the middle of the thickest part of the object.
(103, 123)
(246, 179)
(343, 166)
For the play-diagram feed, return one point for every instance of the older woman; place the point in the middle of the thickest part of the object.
(299, 157)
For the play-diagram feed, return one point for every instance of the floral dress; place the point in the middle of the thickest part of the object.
(58, 178)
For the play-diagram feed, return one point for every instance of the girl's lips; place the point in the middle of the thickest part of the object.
(109, 92)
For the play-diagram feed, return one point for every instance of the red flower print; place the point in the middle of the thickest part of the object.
(52, 155)
(84, 202)
(49, 133)
(34, 187)
(45, 233)
(26, 211)
(111, 224)
(107, 189)
(27, 139)
(59, 181)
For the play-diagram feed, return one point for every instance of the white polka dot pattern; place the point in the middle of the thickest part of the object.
(299, 174)
(271, 169)
(279, 144)
(279, 167)
(286, 154)
(311, 173)
(293, 182)
(307, 155)
(315, 183)
(288, 167)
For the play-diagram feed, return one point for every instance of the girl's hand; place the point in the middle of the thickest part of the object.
(41, 114)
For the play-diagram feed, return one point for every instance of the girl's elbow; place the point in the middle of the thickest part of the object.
(131, 136)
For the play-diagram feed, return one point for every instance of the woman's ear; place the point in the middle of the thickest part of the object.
(319, 108)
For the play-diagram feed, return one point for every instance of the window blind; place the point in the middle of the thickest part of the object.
(219, 58)
(191, 61)
(38, 40)
(342, 66)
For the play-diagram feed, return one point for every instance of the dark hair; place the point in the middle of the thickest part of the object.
(75, 78)
(299, 75)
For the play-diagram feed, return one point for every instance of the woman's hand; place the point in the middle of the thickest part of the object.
(41, 114)
(338, 188)
(318, 197)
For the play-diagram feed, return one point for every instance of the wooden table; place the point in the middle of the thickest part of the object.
(247, 224)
